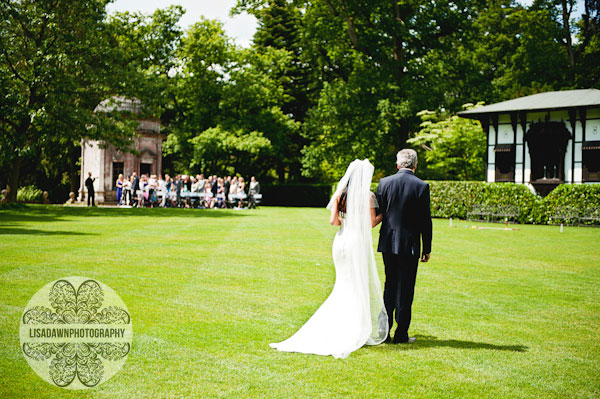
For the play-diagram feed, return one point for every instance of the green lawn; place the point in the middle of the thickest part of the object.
(496, 314)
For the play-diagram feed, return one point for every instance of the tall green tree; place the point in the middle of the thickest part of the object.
(58, 61)
(451, 148)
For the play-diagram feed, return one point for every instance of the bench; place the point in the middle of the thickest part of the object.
(490, 213)
(235, 199)
(590, 215)
(565, 215)
(484, 212)
(506, 212)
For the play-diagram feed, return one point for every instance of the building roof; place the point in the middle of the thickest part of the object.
(550, 100)
(119, 103)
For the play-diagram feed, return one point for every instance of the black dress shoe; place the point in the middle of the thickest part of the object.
(407, 341)
(401, 339)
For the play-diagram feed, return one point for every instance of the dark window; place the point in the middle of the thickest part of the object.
(145, 168)
(505, 162)
(547, 143)
(116, 171)
(590, 155)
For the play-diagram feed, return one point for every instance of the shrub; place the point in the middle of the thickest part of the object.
(511, 194)
(580, 199)
(457, 198)
(454, 198)
(29, 194)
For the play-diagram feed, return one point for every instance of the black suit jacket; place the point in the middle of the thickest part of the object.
(89, 184)
(404, 202)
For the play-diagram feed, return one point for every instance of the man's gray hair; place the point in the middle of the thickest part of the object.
(406, 158)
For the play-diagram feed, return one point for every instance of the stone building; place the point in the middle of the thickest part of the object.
(543, 140)
(106, 163)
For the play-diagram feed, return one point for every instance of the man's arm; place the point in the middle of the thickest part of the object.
(427, 232)
(379, 196)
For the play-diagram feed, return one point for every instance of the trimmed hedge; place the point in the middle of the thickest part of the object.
(314, 195)
(456, 199)
(578, 198)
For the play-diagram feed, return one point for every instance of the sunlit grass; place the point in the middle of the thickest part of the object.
(496, 314)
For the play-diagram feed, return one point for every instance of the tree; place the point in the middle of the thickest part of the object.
(452, 148)
(58, 62)
(587, 51)
(203, 55)
(215, 149)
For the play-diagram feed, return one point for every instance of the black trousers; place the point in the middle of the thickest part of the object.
(399, 291)
(91, 195)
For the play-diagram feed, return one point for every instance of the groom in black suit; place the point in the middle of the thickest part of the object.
(406, 221)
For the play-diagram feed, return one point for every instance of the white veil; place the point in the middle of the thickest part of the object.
(357, 223)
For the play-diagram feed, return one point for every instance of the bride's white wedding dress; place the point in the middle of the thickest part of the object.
(354, 314)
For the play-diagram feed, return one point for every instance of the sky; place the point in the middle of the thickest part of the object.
(241, 27)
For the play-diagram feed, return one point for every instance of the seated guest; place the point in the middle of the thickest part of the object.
(233, 187)
(208, 200)
(143, 196)
(220, 193)
(119, 185)
(126, 199)
(178, 183)
(196, 187)
(152, 187)
(241, 190)
(185, 188)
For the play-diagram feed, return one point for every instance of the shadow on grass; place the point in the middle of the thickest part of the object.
(47, 213)
(429, 341)
(4, 230)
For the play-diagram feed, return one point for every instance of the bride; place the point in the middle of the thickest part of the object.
(354, 314)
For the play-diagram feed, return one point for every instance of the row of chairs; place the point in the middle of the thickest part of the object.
(196, 199)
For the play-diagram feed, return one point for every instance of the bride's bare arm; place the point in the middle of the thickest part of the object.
(375, 219)
(334, 218)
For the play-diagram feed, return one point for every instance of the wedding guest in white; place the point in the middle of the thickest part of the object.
(196, 185)
(233, 187)
(241, 190)
(220, 193)
(208, 200)
(162, 189)
(126, 197)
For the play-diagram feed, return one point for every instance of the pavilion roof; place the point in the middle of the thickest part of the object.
(551, 100)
